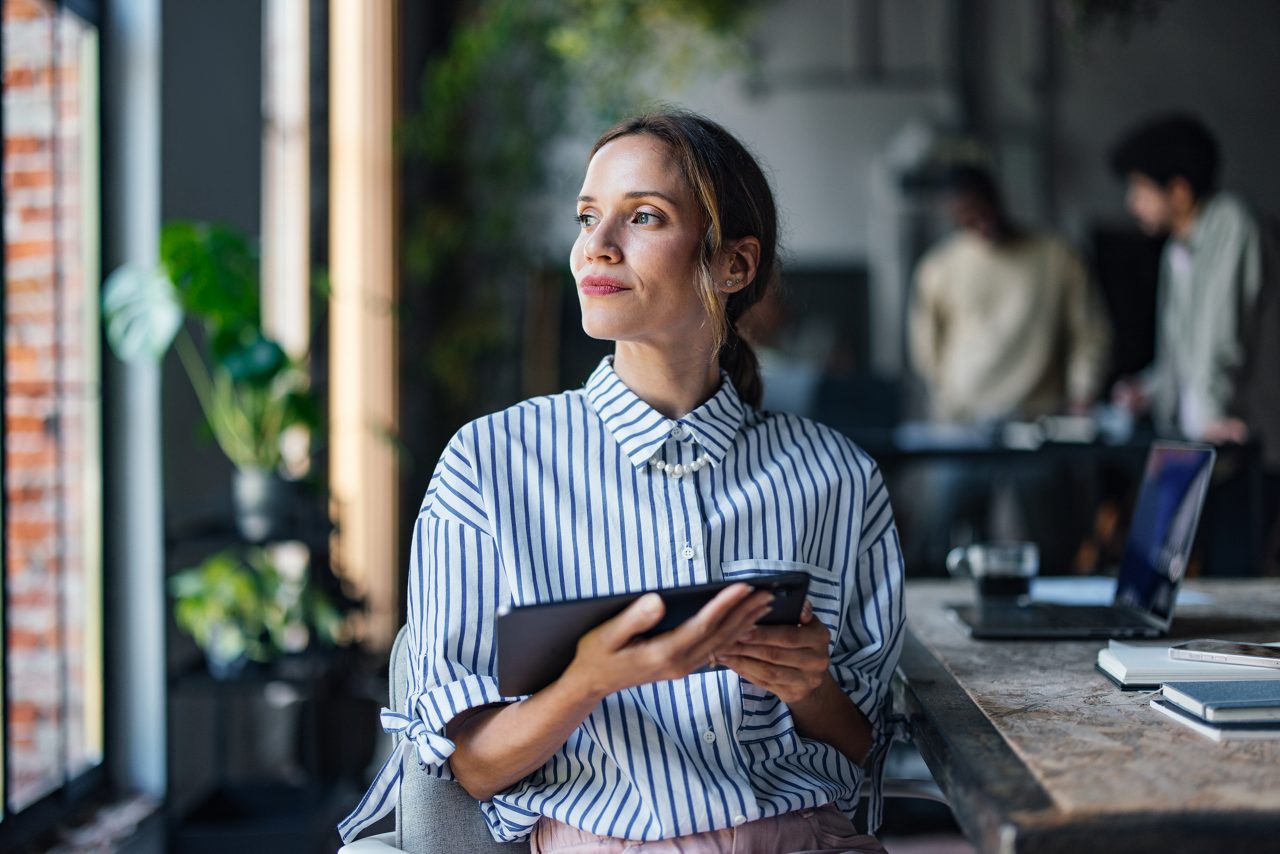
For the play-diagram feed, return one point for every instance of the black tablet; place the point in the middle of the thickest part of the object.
(536, 643)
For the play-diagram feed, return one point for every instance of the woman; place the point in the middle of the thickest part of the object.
(660, 472)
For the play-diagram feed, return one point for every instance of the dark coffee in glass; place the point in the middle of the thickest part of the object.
(1000, 570)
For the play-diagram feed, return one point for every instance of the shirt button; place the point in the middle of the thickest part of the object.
(677, 431)
(709, 737)
(688, 552)
(739, 820)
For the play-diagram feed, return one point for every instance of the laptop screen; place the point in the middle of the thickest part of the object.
(1164, 527)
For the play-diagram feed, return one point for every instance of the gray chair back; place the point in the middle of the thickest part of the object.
(434, 816)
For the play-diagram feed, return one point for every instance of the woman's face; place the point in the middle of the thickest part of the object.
(636, 255)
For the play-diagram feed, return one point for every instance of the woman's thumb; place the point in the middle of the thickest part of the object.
(640, 616)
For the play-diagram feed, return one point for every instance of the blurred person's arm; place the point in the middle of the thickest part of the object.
(1088, 335)
(926, 325)
(1130, 393)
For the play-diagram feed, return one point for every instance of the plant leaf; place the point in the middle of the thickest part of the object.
(215, 271)
(257, 362)
(141, 311)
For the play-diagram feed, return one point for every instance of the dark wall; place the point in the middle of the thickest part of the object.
(210, 134)
(210, 138)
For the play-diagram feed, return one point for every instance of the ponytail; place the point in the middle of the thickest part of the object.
(739, 361)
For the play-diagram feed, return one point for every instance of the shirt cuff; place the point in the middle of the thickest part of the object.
(436, 707)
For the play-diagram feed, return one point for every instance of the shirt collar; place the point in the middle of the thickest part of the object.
(1197, 237)
(640, 429)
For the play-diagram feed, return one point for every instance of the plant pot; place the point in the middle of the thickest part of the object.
(264, 505)
(225, 655)
(226, 670)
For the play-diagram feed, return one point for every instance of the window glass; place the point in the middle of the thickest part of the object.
(52, 666)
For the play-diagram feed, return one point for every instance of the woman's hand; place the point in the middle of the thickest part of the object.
(790, 662)
(611, 658)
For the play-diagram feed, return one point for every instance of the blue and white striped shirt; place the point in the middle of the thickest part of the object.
(555, 498)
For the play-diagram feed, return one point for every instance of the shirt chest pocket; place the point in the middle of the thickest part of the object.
(764, 716)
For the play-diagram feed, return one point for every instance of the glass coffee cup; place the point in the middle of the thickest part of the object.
(1001, 571)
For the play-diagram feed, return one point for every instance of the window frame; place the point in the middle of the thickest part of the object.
(40, 817)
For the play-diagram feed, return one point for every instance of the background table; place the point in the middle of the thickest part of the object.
(1037, 751)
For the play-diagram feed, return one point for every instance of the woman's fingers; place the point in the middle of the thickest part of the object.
(786, 683)
(725, 604)
(713, 616)
(798, 658)
(743, 618)
(784, 660)
(645, 613)
(772, 677)
(640, 616)
(736, 622)
(812, 636)
(715, 626)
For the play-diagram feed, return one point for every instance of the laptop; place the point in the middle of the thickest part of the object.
(1174, 484)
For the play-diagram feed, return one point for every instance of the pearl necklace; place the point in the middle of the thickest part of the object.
(679, 470)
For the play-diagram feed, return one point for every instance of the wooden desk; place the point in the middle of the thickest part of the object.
(1036, 751)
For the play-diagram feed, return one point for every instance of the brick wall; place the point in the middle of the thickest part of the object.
(52, 466)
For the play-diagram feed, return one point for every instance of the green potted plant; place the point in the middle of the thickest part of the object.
(249, 608)
(249, 390)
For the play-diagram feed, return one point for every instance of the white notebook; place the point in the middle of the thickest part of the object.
(1218, 732)
(1134, 665)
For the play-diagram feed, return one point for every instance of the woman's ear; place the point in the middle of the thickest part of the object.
(738, 263)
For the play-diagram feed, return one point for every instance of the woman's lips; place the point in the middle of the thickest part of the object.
(601, 286)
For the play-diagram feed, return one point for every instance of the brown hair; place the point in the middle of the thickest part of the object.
(736, 202)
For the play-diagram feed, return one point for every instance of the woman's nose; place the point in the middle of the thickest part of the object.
(601, 243)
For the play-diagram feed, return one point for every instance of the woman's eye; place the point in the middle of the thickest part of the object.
(645, 218)
(585, 220)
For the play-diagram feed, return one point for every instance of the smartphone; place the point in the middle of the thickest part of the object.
(537, 642)
(1227, 652)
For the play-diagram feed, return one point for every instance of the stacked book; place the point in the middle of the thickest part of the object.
(1146, 667)
(1224, 710)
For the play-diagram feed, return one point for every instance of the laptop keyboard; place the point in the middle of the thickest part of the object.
(1064, 617)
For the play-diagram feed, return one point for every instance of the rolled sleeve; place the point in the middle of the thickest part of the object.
(866, 650)
(456, 587)
(455, 590)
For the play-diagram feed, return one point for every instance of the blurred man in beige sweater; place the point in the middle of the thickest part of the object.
(1005, 323)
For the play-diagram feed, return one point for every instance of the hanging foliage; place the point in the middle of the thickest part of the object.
(517, 79)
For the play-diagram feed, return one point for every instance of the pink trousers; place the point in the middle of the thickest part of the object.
(824, 830)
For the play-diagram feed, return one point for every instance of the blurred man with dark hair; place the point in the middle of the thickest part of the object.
(1216, 373)
(1005, 323)
(1211, 275)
